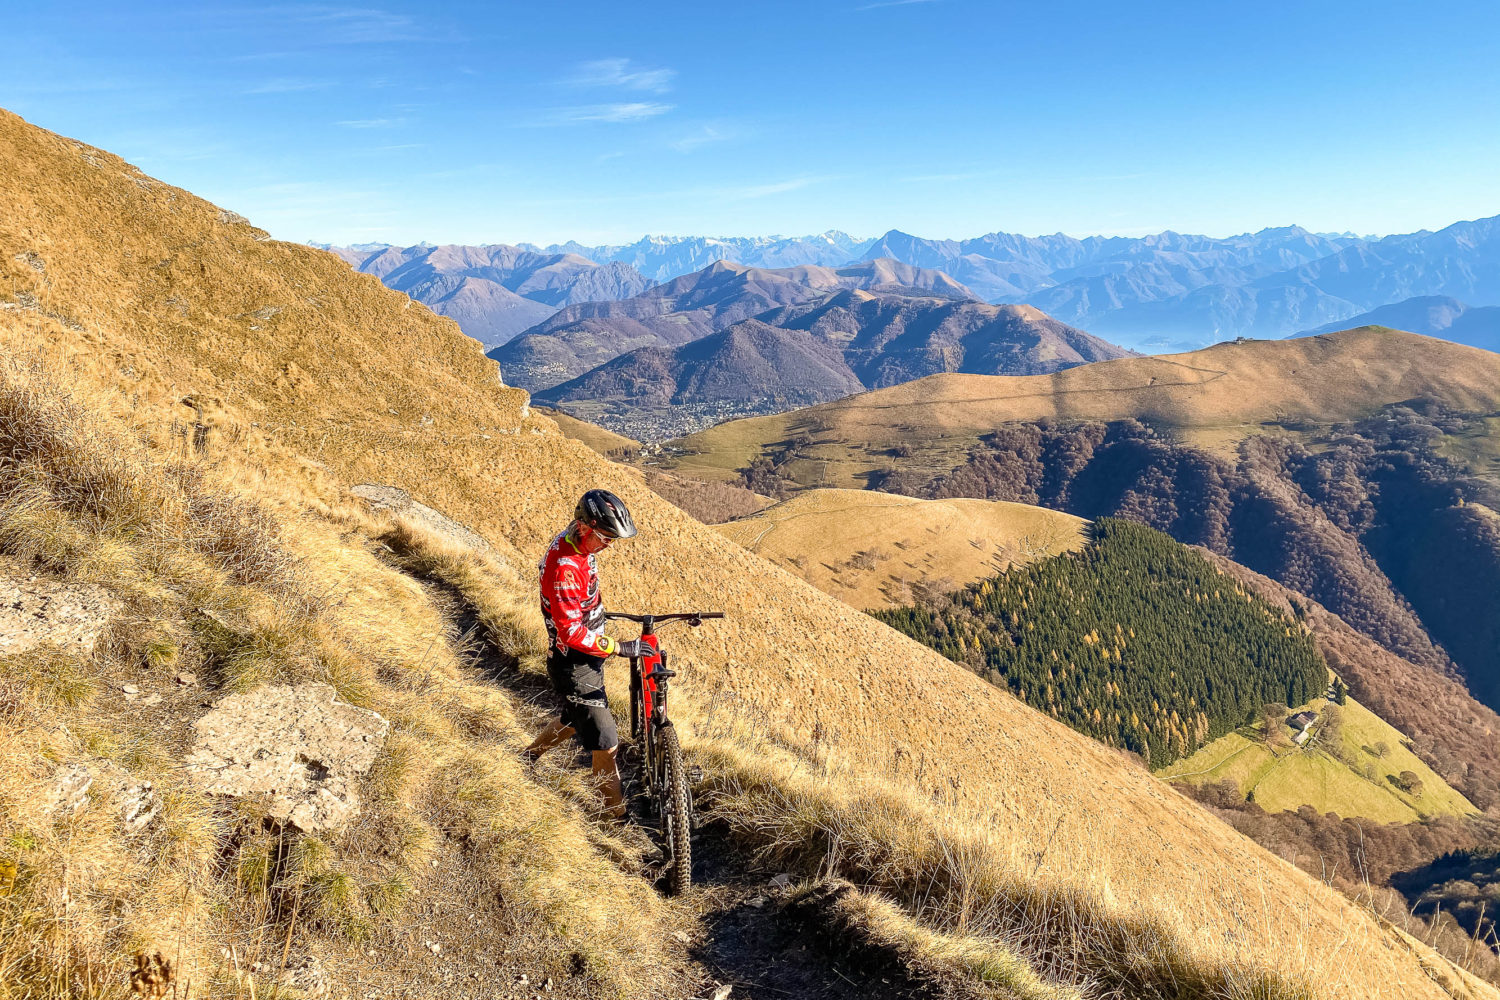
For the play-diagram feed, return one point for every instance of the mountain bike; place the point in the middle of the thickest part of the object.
(663, 773)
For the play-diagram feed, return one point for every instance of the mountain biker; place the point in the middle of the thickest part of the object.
(574, 615)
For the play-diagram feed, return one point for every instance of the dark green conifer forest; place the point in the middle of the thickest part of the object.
(1136, 641)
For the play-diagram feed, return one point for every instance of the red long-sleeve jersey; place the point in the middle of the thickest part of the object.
(571, 605)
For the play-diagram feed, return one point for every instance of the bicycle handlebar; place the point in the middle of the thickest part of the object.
(688, 616)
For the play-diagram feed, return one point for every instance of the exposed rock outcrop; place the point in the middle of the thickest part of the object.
(298, 746)
(35, 611)
(400, 503)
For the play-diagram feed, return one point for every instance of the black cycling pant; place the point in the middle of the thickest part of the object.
(579, 680)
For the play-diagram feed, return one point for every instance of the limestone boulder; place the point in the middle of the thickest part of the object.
(35, 611)
(298, 747)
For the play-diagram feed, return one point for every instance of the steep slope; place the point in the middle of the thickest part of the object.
(1432, 316)
(824, 350)
(495, 291)
(1217, 395)
(307, 380)
(876, 550)
(583, 337)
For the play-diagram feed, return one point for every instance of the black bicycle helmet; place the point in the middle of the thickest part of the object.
(606, 514)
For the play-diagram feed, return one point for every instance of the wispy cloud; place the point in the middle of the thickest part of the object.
(706, 135)
(969, 175)
(372, 122)
(335, 25)
(894, 3)
(631, 111)
(767, 190)
(621, 73)
(287, 85)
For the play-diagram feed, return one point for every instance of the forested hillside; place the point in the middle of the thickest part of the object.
(1374, 519)
(1135, 640)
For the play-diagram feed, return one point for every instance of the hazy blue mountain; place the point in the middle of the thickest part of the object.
(1432, 315)
(666, 257)
(493, 292)
(844, 342)
(1461, 261)
(584, 336)
(1174, 292)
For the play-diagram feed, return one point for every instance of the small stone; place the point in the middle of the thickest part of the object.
(756, 901)
(523, 980)
(722, 993)
(682, 936)
(187, 679)
(435, 948)
(151, 699)
(782, 881)
(130, 690)
(547, 986)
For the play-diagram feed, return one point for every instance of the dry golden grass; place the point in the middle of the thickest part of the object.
(302, 378)
(881, 550)
(215, 583)
(1217, 396)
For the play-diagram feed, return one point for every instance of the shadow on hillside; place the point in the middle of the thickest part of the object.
(770, 943)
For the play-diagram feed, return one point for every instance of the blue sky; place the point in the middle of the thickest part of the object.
(501, 122)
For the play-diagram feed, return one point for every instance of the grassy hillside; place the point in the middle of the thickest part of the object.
(877, 550)
(1285, 777)
(1216, 397)
(1017, 857)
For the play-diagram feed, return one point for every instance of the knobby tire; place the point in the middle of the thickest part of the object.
(676, 811)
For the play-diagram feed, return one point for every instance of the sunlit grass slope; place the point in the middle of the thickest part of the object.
(1362, 784)
(836, 745)
(1214, 397)
(882, 550)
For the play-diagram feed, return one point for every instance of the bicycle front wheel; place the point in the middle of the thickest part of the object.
(676, 812)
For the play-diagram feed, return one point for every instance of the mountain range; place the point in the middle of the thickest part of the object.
(667, 257)
(494, 292)
(582, 337)
(1167, 291)
(798, 355)
(1432, 315)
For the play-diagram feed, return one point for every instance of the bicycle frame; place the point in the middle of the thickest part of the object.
(648, 684)
(665, 776)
